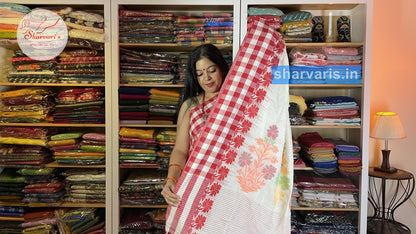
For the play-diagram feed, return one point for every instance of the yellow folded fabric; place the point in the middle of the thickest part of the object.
(6, 30)
(138, 151)
(78, 154)
(172, 93)
(295, 24)
(26, 114)
(22, 92)
(160, 122)
(62, 142)
(162, 97)
(139, 133)
(22, 141)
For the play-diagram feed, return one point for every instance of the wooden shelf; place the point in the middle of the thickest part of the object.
(325, 126)
(153, 85)
(170, 46)
(53, 125)
(4, 203)
(50, 84)
(323, 209)
(58, 204)
(12, 219)
(67, 204)
(324, 44)
(56, 165)
(302, 168)
(148, 125)
(145, 206)
(325, 86)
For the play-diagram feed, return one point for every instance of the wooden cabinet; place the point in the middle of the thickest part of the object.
(359, 11)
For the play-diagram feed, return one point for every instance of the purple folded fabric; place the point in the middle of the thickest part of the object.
(134, 96)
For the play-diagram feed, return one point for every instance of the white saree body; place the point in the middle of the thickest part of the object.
(239, 175)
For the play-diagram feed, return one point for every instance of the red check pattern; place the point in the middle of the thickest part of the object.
(237, 102)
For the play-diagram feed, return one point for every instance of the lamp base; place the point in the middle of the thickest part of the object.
(386, 170)
(385, 165)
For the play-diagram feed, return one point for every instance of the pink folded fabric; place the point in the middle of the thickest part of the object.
(340, 51)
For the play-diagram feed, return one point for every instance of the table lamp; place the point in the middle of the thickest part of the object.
(388, 127)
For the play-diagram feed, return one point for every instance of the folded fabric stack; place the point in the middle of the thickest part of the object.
(73, 149)
(297, 26)
(146, 27)
(333, 110)
(10, 227)
(297, 159)
(142, 187)
(305, 56)
(85, 28)
(158, 217)
(44, 185)
(166, 140)
(82, 220)
(218, 28)
(163, 106)
(84, 105)
(143, 221)
(12, 211)
(297, 107)
(295, 196)
(182, 65)
(133, 105)
(326, 222)
(318, 152)
(24, 146)
(93, 142)
(349, 157)
(309, 61)
(272, 16)
(190, 30)
(137, 67)
(327, 192)
(81, 66)
(11, 15)
(11, 185)
(85, 185)
(342, 56)
(138, 147)
(40, 221)
(27, 105)
(29, 70)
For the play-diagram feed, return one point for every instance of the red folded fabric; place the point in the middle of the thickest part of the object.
(314, 140)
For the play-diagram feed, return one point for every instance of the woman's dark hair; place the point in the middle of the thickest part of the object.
(191, 86)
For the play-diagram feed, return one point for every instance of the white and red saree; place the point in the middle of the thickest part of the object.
(238, 178)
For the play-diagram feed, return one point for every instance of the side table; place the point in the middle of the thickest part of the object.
(403, 184)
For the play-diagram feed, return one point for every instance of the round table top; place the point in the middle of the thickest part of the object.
(398, 175)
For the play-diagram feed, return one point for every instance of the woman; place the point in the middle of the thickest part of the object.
(206, 72)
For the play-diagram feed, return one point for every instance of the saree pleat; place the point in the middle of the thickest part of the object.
(238, 177)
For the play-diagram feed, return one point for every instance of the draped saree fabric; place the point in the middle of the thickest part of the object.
(238, 177)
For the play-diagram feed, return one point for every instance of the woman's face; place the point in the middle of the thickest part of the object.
(209, 75)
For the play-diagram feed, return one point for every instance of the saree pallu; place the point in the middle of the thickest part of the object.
(238, 178)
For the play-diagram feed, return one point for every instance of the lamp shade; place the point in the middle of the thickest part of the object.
(387, 126)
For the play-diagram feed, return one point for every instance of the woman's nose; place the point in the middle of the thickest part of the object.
(206, 76)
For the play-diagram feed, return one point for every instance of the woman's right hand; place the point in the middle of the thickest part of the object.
(167, 192)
